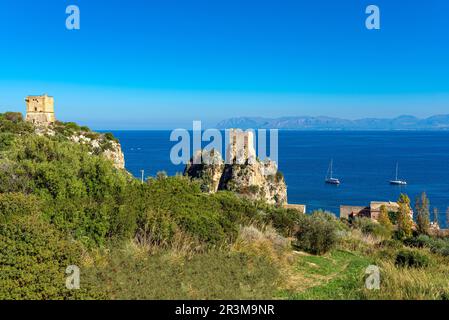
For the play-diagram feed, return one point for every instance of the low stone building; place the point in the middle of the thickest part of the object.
(376, 205)
(349, 212)
(372, 211)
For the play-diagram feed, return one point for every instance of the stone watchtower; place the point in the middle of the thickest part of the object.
(241, 147)
(40, 110)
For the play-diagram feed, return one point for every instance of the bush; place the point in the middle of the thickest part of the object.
(393, 216)
(17, 205)
(368, 226)
(6, 140)
(72, 126)
(109, 136)
(13, 116)
(12, 122)
(279, 176)
(420, 241)
(436, 245)
(33, 260)
(441, 247)
(284, 220)
(391, 244)
(80, 193)
(155, 227)
(317, 233)
(411, 259)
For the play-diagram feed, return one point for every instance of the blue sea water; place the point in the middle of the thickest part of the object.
(363, 161)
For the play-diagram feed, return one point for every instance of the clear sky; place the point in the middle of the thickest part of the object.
(152, 64)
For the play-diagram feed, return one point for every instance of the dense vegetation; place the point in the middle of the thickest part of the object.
(61, 205)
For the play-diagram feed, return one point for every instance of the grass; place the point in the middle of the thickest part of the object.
(427, 283)
(337, 275)
(216, 274)
(259, 265)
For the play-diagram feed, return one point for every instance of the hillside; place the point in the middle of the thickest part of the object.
(62, 204)
(439, 122)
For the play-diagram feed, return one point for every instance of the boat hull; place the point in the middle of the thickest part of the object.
(398, 183)
(333, 181)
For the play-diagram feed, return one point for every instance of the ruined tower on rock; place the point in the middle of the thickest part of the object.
(242, 173)
(40, 110)
(241, 147)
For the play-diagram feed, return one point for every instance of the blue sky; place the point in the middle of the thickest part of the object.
(153, 64)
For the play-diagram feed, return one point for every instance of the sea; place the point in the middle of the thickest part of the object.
(365, 162)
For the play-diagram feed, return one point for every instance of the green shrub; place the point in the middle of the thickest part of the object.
(436, 245)
(420, 241)
(80, 193)
(12, 122)
(72, 126)
(13, 116)
(279, 176)
(317, 233)
(17, 205)
(391, 244)
(393, 216)
(368, 226)
(33, 260)
(284, 220)
(156, 227)
(6, 140)
(92, 135)
(110, 136)
(412, 259)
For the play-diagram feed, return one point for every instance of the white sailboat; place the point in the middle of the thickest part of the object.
(397, 181)
(330, 175)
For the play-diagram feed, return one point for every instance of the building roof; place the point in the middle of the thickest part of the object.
(300, 207)
(39, 96)
(378, 204)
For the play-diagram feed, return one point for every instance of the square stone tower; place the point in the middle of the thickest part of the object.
(40, 110)
(241, 147)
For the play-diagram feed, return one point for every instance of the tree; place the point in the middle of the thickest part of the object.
(435, 216)
(423, 214)
(384, 218)
(317, 233)
(405, 222)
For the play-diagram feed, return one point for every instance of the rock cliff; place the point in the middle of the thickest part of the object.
(258, 180)
(101, 145)
(98, 143)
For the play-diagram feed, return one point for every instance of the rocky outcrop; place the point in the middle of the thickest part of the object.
(98, 143)
(102, 145)
(257, 180)
(115, 154)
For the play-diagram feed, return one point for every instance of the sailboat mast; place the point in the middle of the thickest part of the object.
(397, 168)
(332, 168)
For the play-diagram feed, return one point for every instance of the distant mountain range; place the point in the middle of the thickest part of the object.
(438, 122)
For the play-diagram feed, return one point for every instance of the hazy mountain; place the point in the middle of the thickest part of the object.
(405, 122)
